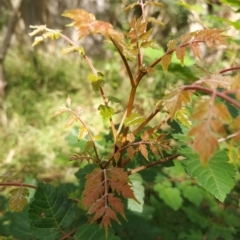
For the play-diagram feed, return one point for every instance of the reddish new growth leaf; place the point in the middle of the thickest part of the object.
(99, 194)
(87, 24)
(175, 100)
(205, 142)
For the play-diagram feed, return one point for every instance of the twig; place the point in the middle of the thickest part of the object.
(229, 137)
(210, 91)
(138, 169)
(125, 62)
(15, 184)
(89, 134)
(229, 69)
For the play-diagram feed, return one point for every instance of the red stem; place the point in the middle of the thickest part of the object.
(210, 91)
(15, 184)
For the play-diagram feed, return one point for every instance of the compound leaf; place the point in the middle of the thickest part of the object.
(20, 227)
(217, 176)
(175, 100)
(50, 212)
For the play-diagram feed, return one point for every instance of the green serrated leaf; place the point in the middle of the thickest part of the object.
(170, 195)
(96, 81)
(133, 119)
(94, 232)
(193, 194)
(50, 212)
(106, 112)
(138, 190)
(196, 216)
(20, 225)
(216, 177)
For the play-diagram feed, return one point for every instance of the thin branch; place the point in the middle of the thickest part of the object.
(229, 69)
(170, 52)
(89, 134)
(94, 71)
(129, 109)
(125, 63)
(229, 137)
(145, 122)
(69, 235)
(138, 169)
(114, 131)
(15, 184)
(210, 91)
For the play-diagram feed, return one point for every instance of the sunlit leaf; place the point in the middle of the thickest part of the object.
(143, 150)
(131, 152)
(117, 156)
(205, 142)
(130, 7)
(165, 61)
(180, 53)
(217, 176)
(96, 81)
(68, 101)
(130, 137)
(37, 40)
(222, 113)
(134, 119)
(62, 110)
(175, 100)
(171, 45)
(195, 47)
(106, 111)
(73, 49)
(82, 133)
(144, 36)
(89, 146)
(147, 134)
(182, 116)
(201, 108)
(37, 30)
(18, 199)
(186, 38)
(70, 121)
(86, 24)
(156, 21)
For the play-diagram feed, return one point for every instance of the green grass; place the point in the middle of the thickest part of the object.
(32, 142)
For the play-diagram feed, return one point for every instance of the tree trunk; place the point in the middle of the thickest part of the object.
(6, 43)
